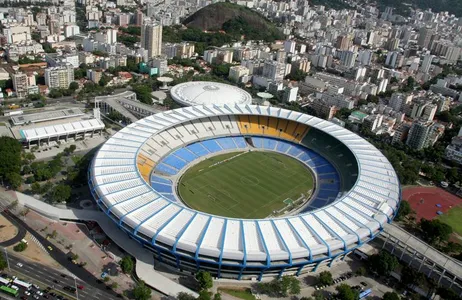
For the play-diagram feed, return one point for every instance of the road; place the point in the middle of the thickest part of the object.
(63, 259)
(49, 277)
(19, 236)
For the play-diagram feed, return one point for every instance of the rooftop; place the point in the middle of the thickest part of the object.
(46, 116)
(206, 93)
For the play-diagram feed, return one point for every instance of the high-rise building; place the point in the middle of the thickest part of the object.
(425, 35)
(429, 112)
(59, 77)
(290, 94)
(161, 64)
(426, 63)
(151, 38)
(94, 75)
(20, 84)
(348, 59)
(289, 46)
(418, 137)
(237, 72)
(139, 18)
(343, 42)
(274, 70)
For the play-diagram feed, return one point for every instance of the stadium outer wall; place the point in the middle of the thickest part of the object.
(191, 262)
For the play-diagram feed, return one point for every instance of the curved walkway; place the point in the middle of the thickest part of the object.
(144, 259)
(19, 236)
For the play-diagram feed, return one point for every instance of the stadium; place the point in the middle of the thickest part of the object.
(207, 93)
(244, 191)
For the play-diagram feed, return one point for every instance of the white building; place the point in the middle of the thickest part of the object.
(71, 30)
(426, 63)
(59, 77)
(237, 72)
(290, 94)
(151, 38)
(289, 46)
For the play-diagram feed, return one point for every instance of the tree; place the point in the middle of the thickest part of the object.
(318, 295)
(73, 86)
(361, 271)
(72, 148)
(10, 157)
(290, 285)
(382, 263)
(20, 247)
(104, 80)
(14, 179)
(141, 291)
(3, 262)
(204, 279)
(345, 292)
(435, 231)
(403, 210)
(217, 296)
(114, 285)
(411, 277)
(127, 264)
(60, 193)
(325, 278)
(204, 295)
(185, 296)
(280, 288)
(390, 296)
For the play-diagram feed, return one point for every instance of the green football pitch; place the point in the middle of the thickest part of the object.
(244, 184)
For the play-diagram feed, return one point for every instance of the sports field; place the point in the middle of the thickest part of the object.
(244, 184)
(453, 218)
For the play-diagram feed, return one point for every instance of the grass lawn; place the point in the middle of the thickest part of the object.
(453, 219)
(244, 184)
(243, 294)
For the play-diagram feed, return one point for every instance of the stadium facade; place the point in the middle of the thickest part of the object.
(133, 177)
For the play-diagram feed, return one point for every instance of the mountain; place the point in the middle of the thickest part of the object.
(235, 20)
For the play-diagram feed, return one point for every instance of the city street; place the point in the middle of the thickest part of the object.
(63, 260)
(49, 277)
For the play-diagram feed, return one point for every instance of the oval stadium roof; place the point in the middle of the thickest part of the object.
(127, 197)
(207, 93)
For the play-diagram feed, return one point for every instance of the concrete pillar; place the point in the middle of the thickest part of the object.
(422, 263)
(412, 258)
(452, 282)
(441, 276)
(402, 252)
(433, 267)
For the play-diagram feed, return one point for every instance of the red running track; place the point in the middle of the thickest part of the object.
(423, 201)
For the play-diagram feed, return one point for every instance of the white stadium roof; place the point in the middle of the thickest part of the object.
(370, 203)
(208, 93)
(39, 133)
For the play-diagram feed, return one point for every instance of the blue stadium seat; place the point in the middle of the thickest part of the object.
(295, 150)
(198, 149)
(331, 186)
(331, 176)
(174, 161)
(163, 168)
(185, 154)
(171, 197)
(240, 142)
(162, 188)
(269, 143)
(282, 146)
(257, 142)
(160, 180)
(226, 143)
(327, 168)
(211, 145)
